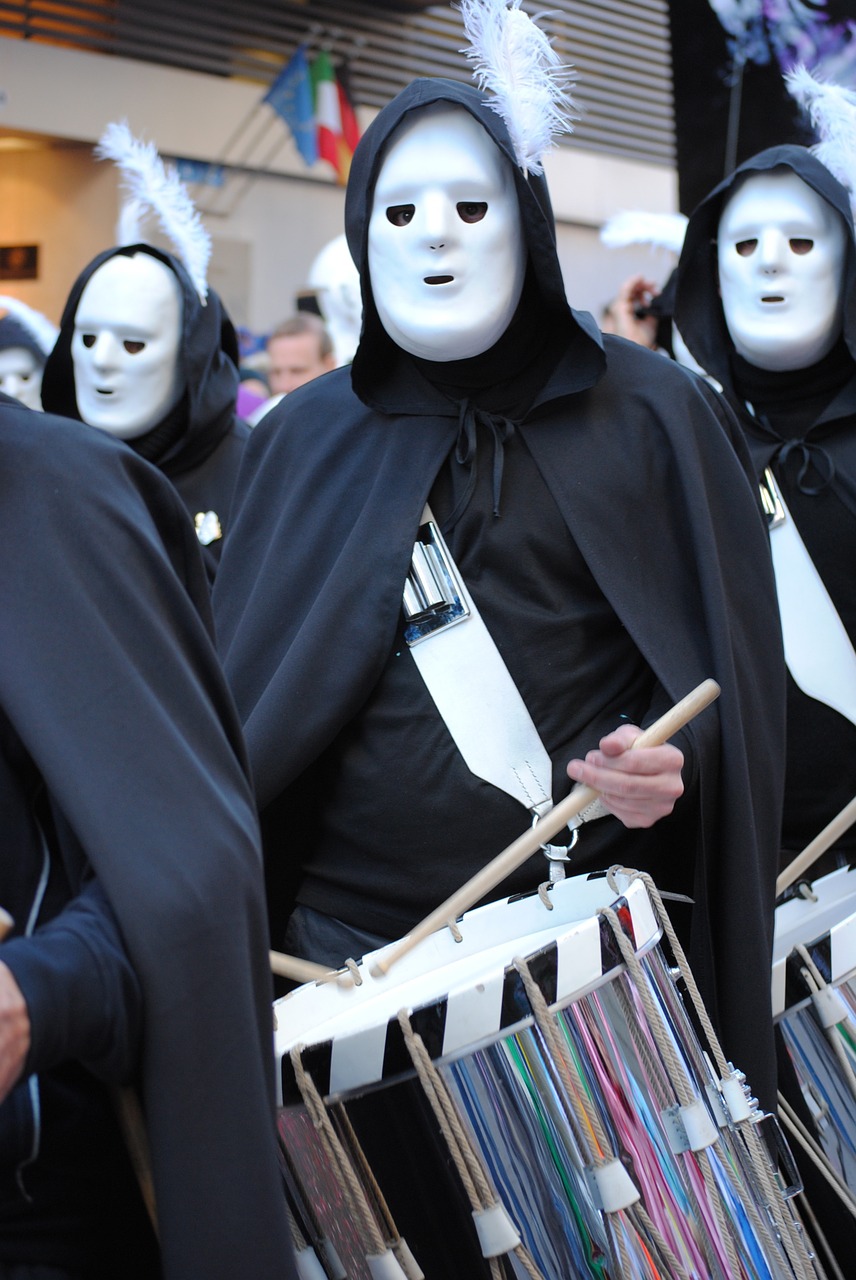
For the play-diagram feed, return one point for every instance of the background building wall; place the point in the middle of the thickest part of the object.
(266, 226)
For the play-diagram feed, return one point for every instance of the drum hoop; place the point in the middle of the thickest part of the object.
(370, 1058)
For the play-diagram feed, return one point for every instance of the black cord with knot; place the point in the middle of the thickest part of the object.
(470, 418)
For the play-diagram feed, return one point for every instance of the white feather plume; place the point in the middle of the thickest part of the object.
(514, 60)
(152, 187)
(664, 230)
(43, 332)
(832, 111)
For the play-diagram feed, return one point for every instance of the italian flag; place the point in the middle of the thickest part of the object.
(335, 122)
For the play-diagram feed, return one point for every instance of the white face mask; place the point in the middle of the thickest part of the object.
(447, 257)
(21, 376)
(781, 254)
(125, 346)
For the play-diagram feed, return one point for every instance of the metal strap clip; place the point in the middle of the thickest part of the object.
(771, 500)
(432, 593)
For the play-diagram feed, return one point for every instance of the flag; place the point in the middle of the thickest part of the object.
(336, 135)
(350, 128)
(291, 97)
(199, 172)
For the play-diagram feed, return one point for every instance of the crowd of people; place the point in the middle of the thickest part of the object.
(172, 810)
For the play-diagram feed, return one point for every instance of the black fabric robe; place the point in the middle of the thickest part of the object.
(115, 718)
(201, 445)
(637, 455)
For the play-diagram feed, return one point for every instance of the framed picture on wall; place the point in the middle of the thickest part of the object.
(19, 262)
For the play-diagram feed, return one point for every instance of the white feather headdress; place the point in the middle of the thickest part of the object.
(662, 230)
(152, 187)
(40, 329)
(832, 112)
(515, 61)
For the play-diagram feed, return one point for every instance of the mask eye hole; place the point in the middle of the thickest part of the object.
(801, 246)
(400, 214)
(746, 248)
(472, 210)
(88, 339)
(133, 348)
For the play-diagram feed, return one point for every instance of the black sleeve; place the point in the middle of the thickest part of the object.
(82, 994)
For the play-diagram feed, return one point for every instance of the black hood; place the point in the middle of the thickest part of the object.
(376, 349)
(208, 356)
(698, 309)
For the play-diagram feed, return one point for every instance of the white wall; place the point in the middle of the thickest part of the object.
(263, 246)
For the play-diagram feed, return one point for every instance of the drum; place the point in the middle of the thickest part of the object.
(524, 1094)
(814, 1003)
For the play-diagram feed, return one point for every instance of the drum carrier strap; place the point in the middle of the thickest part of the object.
(473, 689)
(818, 651)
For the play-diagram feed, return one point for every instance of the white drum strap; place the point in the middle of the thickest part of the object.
(469, 681)
(818, 651)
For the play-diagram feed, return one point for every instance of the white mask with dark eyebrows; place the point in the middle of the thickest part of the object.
(781, 252)
(446, 253)
(125, 346)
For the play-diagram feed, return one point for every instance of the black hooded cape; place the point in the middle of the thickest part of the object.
(636, 455)
(200, 445)
(814, 464)
(115, 722)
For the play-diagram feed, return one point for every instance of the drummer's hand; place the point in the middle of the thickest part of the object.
(639, 787)
(14, 1031)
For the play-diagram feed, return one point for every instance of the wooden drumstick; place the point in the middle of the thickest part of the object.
(532, 839)
(286, 966)
(819, 845)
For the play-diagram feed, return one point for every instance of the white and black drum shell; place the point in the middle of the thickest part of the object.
(629, 1054)
(814, 1004)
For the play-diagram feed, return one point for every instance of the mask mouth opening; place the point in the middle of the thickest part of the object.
(439, 279)
(772, 297)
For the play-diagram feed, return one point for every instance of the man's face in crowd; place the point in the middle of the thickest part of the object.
(447, 257)
(781, 251)
(296, 358)
(21, 376)
(125, 346)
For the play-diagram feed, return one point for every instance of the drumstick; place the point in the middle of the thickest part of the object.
(286, 966)
(532, 839)
(819, 845)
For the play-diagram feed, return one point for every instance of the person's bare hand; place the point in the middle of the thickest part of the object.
(635, 293)
(14, 1031)
(640, 786)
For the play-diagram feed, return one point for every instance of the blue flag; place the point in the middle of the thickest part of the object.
(291, 97)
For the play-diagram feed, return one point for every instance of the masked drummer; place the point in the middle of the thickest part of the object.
(147, 352)
(593, 504)
(771, 314)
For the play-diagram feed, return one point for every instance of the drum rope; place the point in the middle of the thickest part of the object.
(656, 1080)
(394, 1238)
(815, 983)
(575, 1090)
(755, 1150)
(822, 1245)
(298, 1239)
(816, 1154)
(683, 1090)
(678, 952)
(349, 1182)
(581, 1113)
(474, 1178)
